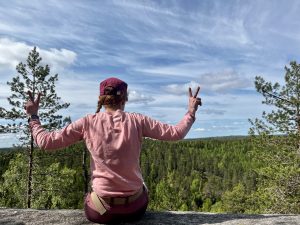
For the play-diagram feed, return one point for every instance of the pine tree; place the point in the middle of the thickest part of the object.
(286, 100)
(32, 76)
(277, 144)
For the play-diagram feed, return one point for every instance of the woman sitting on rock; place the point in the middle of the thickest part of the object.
(114, 140)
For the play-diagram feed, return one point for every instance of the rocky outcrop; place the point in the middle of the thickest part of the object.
(76, 217)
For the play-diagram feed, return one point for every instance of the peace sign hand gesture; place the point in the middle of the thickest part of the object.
(32, 106)
(194, 102)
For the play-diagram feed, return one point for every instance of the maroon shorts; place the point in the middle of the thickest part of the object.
(117, 213)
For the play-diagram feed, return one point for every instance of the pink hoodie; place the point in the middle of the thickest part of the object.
(114, 141)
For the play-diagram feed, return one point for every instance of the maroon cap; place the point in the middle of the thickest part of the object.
(119, 86)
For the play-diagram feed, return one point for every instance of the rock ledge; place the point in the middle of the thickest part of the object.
(76, 217)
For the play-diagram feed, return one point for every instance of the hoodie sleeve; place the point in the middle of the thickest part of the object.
(57, 139)
(162, 131)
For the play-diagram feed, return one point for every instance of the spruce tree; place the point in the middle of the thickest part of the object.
(35, 77)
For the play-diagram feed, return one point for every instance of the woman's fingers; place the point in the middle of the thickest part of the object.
(198, 89)
(30, 96)
(194, 101)
(37, 101)
(190, 92)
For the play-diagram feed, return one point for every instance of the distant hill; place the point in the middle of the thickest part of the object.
(9, 149)
(5, 149)
(233, 137)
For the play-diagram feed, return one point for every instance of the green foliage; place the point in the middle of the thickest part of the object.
(196, 194)
(5, 157)
(279, 174)
(177, 174)
(235, 201)
(195, 174)
(50, 195)
(278, 188)
(58, 181)
(200, 175)
(285, 117)
(14, 185)
(217, 207)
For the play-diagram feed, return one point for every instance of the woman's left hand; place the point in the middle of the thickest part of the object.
(194, 101)
(32, 106)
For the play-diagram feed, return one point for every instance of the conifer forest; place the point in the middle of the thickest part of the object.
(211, 175)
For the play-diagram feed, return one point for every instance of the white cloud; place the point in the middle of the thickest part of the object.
(13, 52)
(213, 111)
(58, 58)
(149, 7)
(181, 89)
(199, 129)
(174, 42)
(220, 82)
(225, 81)
(136, 97)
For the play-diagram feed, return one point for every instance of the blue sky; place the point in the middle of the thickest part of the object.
(159, 48)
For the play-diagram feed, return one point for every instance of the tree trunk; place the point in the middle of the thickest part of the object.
(85, 171)
(298, 126)
(30, 167)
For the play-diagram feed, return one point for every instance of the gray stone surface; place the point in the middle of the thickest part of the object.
(76, 217)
